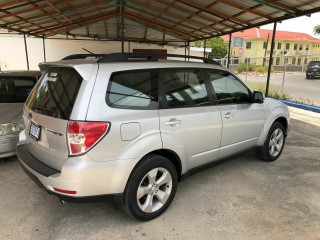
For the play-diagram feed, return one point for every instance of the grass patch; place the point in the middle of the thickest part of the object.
(275, 93)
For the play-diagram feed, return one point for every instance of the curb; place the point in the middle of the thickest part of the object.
(302, 106)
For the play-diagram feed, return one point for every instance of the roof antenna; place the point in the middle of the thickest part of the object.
(88, 51)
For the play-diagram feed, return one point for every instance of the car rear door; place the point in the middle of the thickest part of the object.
(242, 120)
(51, 104)
(190, 125)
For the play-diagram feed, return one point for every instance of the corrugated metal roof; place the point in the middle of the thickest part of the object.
(146, 20)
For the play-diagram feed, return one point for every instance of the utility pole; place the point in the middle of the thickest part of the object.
(265, 51)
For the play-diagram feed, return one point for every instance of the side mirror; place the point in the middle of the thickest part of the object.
(257, 97)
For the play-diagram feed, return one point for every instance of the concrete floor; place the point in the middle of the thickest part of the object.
(243, 198)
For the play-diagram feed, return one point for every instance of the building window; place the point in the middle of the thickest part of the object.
(277, 61)
(295, 46)
(248, 45)
(305, 60)
(265, 45)
(299, 61)
(300, 46)
(294, 61)
(287, 46)
(279, 45)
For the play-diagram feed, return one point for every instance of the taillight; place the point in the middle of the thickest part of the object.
(84, 135)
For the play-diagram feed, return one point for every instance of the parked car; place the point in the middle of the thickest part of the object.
(313, 70)
(133, 126)
(15, 87)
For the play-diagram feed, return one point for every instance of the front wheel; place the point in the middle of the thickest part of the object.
(274, 143)
(150, 188)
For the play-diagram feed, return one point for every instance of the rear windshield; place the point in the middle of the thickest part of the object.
(55, 93)
(314, 64)
(15, 89)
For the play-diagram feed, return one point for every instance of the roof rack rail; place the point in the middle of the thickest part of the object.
(135, 57)
(82, 56)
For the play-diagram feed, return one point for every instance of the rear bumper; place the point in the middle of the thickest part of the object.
(8, 145)
(80, 174)
(65, 197)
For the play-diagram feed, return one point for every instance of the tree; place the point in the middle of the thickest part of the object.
(316, 29)
(219, 48)
(218, 45)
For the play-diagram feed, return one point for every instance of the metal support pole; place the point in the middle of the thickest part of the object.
(122, 25)
(44, 50)
(229, 50)
(204, 48)
(188, 50)
(129, 46)
(271, 56)
(25, 46)
(185, 51)
(284, 72)
(247, 69)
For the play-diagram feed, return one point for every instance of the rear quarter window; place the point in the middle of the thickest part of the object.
(55, 93)
(136, 89)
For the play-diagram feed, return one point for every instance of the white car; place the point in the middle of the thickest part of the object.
(133, 125)
(15, 87)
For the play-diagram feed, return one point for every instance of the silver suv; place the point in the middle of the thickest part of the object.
(133, 125)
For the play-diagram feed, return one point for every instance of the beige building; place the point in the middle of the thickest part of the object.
(298, 48)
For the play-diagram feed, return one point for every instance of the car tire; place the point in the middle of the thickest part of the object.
(307, 77)
(151, 188)
(274, 143)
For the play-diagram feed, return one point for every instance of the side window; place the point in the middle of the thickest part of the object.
(228, 89)
(136, 89)
(184, 88)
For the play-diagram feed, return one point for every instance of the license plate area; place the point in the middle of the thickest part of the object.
(35, 131)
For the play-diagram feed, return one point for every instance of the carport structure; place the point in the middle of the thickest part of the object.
(147, 21)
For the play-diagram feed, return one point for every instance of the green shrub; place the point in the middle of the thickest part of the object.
(260, 69)
(242, 67)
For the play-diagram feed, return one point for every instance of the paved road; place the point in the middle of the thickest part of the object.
(240, 199)
(295, 84)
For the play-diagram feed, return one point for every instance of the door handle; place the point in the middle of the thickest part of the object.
(173, 122)
(228, 115)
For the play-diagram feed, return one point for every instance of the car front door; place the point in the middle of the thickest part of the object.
(189, 123)
(242, 120)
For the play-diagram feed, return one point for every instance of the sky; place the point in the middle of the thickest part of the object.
(300, 24)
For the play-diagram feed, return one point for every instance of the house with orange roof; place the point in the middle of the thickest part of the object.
(253, 44)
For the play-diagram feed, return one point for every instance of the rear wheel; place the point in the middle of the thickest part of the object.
(150, 188)
(274, 143)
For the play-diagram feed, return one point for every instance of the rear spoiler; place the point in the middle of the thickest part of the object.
(85, 70)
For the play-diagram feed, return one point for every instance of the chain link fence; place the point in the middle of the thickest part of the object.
(287, 80)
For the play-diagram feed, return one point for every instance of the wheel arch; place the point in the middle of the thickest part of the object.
(284, 122)
(167, 153)
(279, 114)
